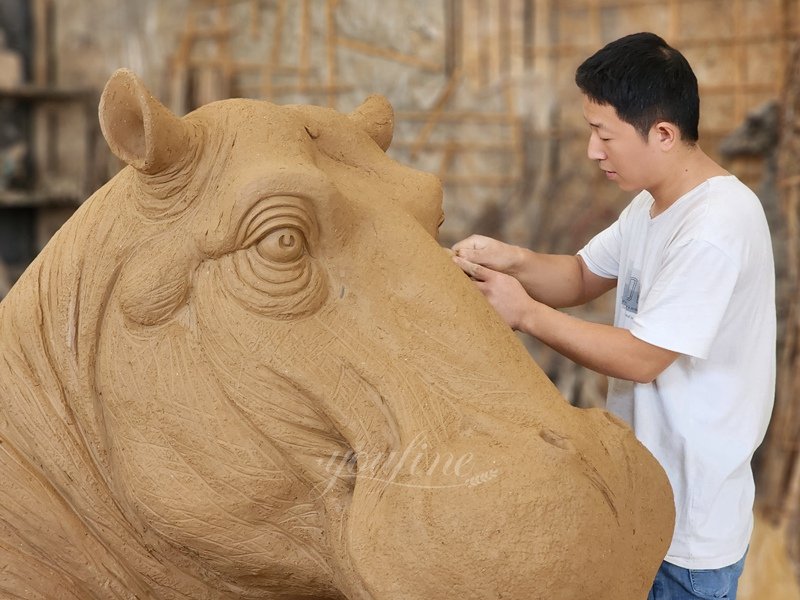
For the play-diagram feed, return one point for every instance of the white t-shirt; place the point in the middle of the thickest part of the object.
(698, 279)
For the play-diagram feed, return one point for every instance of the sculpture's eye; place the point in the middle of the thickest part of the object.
(283, 245)
(274, 271)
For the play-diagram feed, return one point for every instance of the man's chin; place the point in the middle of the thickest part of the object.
(626, 186)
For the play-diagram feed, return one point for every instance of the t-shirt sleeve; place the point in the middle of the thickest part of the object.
(687, 301)
(602, 253)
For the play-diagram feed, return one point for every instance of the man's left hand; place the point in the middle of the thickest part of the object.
(503, 292)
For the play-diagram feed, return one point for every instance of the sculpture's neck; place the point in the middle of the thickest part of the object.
(52, 434)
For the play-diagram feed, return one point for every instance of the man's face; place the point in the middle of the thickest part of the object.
(626, 158)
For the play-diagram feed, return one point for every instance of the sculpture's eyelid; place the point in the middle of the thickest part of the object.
(263, 219)
(258, 230)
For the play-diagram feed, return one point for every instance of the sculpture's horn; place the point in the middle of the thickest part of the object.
(140, 130)
(376, 117)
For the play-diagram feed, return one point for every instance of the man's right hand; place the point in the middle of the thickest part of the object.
(490, 253)
(557, 280)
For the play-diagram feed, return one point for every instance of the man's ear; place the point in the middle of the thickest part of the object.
(665, 134)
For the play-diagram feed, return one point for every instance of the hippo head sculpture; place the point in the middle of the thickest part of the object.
(245, 369)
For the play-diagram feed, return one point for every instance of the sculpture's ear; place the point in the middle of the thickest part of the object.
(139, 129)
(376, 117)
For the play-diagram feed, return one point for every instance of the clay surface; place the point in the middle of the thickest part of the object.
(246, 369)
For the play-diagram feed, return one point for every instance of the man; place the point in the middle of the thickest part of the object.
(691, 355)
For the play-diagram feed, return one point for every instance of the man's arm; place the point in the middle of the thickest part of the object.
(609, 350)
(554, 279)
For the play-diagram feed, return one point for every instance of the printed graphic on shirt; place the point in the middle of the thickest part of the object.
(630, 293)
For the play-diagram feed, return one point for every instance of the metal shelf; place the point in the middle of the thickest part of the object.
(48, 93)
(38, 198)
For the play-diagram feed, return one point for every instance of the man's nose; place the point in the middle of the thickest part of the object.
(594, 150)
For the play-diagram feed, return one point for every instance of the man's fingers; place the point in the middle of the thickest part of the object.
(483, 286)
(474, 255)
(475, 271)
(473, 242)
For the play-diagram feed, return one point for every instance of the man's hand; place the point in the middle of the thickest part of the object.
(503, 292)
(606, 349)
(488, 252)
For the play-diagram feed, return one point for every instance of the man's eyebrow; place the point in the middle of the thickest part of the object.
(598, 125)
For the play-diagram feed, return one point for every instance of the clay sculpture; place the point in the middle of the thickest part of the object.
(246, 369)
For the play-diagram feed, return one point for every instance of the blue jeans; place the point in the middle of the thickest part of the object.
(676, 583)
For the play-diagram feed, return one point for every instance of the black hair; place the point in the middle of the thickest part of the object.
(646, 81)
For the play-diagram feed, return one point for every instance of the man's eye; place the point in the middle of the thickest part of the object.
(602, 139)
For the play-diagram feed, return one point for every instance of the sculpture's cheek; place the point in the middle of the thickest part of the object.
(155, 281)
(190, 468)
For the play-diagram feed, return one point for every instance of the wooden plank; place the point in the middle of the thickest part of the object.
(462, 146)
(483, 40)
(40, 37)
(220, 31)
(740, 68)
(505, 32)
(225, 76)
(255, 19)
(435, 112)
(595, 23)
(492, 41)
(453, 29)
(461, 115)
(448, 156)
(331, 46)
(517, 131)
(528, 33)
(388, 54)
(479, 180)
(673, 31)
(305, 43)
(470, 40)
(291, 88)
(277, 35)
(558, 49)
